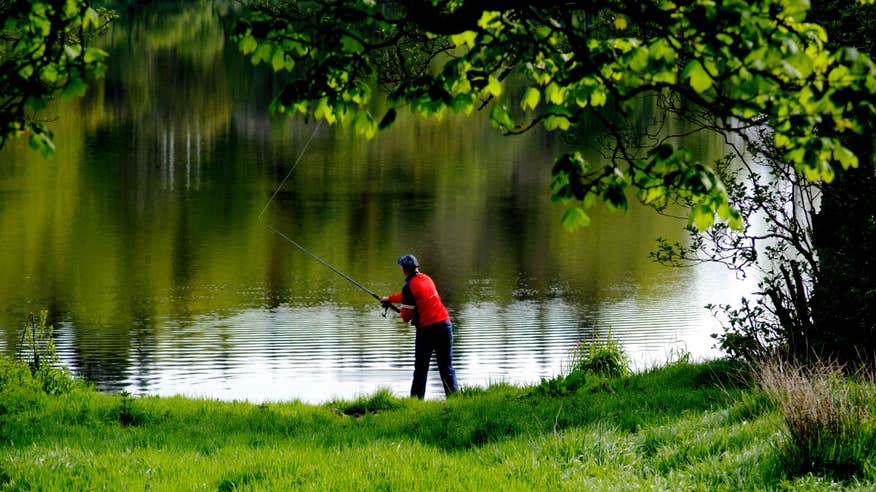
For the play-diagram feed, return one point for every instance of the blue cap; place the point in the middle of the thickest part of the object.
(408, 262)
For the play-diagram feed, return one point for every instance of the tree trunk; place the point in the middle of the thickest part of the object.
(844, 230)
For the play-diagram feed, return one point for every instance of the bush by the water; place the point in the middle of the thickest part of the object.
(828, 417)
(601, 357)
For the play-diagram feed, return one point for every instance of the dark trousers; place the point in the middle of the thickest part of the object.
(437, 338)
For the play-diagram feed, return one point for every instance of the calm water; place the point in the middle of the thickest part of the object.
(142, 238)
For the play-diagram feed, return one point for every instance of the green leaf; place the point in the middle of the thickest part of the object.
(351, 45)
(278, 60)
(651, 195)
(845, 156)
(838, 75)
(463, 103)
(796, 9)
(530, 98)
(557, 110)
(574, 218)
(41, 25)
(638, 59)
(556, 122)
(364, 125)
(49, 74)
(95, 55)
(590, 199)
(42, 141)
(91, 19)
(662, 50)
(488, 19)
(72, 51)
(782, 140)
(35, 103)
(248, 44)
(262, 54)
(26, 71)
(665, 76)
(702, 217)
(582, 95)
(323, 109)
(467, 38)
(75, 88)
(803, 64)
(553, 93)
(500, 118)
(700, 80)
(826, 171)
(598, 98)
(796, 155)
(494, 87)
(735, 220)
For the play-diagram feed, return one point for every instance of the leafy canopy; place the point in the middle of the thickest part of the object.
(44, 52)
(750, 63)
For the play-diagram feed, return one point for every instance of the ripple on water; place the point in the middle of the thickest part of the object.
(315, 353)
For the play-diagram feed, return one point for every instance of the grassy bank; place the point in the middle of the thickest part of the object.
(681, 427)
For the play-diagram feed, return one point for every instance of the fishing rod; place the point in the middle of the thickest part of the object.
(386, 305)
(330, 267)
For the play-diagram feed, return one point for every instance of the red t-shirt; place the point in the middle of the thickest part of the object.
(420, 301)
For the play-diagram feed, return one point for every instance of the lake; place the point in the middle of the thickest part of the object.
(143, 238)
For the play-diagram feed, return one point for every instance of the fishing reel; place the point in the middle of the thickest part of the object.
(387, 306)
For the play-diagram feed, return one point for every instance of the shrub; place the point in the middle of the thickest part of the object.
(601, 358)
(604, 358)
(828, 423)
(38, 352)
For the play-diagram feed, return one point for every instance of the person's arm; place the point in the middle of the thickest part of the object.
(406, 312)
(406, 299)
(393, 298)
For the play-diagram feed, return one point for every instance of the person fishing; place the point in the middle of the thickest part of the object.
(422, 307)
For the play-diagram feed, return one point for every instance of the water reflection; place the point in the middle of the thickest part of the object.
(142, 238)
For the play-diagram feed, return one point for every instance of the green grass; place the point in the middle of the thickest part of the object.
(681, 427)
(828, 416)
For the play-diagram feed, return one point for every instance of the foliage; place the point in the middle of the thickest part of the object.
(746, 337)
(777, 205)
(601, 357)
(801, 238)
(44, 51)
(38, 352)
(760, 72)
(828, 419)
(748, 63)
(127, 415)
(843, 299)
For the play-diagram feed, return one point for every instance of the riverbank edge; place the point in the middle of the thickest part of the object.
(683, 426)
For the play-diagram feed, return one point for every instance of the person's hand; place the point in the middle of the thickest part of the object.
(384, 299)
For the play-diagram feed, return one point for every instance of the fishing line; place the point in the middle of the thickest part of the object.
(300, 155)
(302, 248)
(325, 263)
